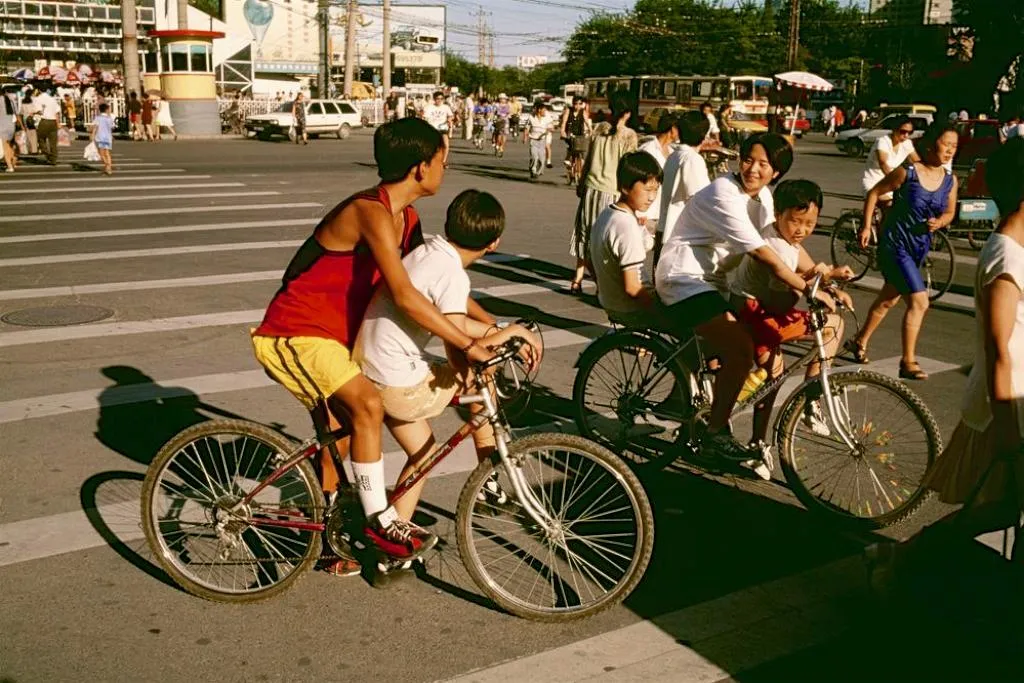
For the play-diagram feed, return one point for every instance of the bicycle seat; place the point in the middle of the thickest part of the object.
(321, 416)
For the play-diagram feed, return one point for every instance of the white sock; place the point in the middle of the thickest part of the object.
(369, 483)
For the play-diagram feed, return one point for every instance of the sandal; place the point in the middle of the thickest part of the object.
(857, 350)
(576, 287)
(912, 371)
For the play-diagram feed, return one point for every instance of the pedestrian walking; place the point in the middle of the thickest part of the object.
(598, 188)
(727, 134)
(440, 115)
(135, 116)
(8, 119)
(163, 118)
(70, 113)
(147, 116)
(299, 119)
(28, 111)
(49, 114)
(538, 126)
(102, 135)
(924, 201)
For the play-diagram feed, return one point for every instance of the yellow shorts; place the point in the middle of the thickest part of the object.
(425, 400)
(312, 368)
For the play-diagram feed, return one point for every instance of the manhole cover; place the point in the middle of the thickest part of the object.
(56, 316)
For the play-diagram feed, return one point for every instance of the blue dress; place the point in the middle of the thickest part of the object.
(906, 239)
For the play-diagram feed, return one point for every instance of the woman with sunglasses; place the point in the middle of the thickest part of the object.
(925, 202)
(888, 153)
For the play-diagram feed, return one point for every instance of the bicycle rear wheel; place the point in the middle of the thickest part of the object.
(598, 544)
(939, 266)
(629, 397)
(878, 484)
(208, 545)
(845, 245)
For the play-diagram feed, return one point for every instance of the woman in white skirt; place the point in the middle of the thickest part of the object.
(163, 119)
(982, 467)
(597, 190)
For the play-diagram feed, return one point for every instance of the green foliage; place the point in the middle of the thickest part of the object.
(471, 77)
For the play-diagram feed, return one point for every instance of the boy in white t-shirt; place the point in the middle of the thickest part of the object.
(618, 246)
(391, 348)
(767, 306)
(440, 116)
(686, 173)
(888, 153)
(538, 125)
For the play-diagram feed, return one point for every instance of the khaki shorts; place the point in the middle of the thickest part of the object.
(425, 400)
(312, 368)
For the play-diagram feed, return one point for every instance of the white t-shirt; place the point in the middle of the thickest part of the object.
(754, 280)
(616, 245)
(391, 346)
(437, 115)
(537, 126)
(713, 124)
(873, 172)
(685, 174)
(719, 225)
(49, 108)
(653, 147)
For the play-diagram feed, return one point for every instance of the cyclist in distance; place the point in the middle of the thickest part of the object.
(310, 326)
(889, 152)
(719, 225)
(575, 129)
(502, 112)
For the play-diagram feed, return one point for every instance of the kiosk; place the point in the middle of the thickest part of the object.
(181, 66)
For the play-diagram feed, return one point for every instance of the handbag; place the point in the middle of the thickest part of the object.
(21, 140)
(63, 137)
(91, 153)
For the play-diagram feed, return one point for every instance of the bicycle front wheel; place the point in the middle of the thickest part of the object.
(939, 266)
(879, 482)
(593, 548)
(203, 539)
(845, 245)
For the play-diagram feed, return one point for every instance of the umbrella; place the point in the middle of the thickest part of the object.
(803, 80)
(43, 74)
(73, 78)
(109, 77)
(24, 74)
(84, 70)
(58, 74)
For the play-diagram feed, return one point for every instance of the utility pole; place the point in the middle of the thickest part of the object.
(350, 47)
(385, 69)
(323, 77)
(794, 33)
(130, 46)
(483, 33)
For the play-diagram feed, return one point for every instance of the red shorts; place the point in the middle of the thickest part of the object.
(769, 330)
(133, 117)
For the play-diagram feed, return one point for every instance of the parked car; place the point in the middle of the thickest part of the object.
(857, 141)
(323, 117)
(978, 139)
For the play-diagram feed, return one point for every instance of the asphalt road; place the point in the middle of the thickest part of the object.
(180, 251)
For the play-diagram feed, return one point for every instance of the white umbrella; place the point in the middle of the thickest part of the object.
(58, 74)
(25, 74)
(802, 80)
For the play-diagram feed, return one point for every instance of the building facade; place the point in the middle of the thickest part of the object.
(923, 11)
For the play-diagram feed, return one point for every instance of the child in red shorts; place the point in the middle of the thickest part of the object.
(768, 307)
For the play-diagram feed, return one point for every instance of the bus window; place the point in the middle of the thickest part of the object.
(742, 90)
(762, 89)
(648, 89)
(601, 85)
(701, 89)
(720, 89)
(670, 89)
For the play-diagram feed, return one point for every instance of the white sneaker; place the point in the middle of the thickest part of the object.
(814, 419)
(764, 465)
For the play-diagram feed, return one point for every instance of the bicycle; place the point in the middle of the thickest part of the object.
(939, 265)
(636, 392)
(233, 511)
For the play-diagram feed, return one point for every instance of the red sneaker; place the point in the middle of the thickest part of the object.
(400, 539)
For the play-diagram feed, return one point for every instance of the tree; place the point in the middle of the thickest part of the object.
(998, 42)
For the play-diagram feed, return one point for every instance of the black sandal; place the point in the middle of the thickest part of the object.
(857, 350)
(912, 371)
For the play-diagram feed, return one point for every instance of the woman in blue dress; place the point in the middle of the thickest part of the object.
(925, 201)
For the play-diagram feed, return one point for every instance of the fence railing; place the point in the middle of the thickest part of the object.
(371, 111)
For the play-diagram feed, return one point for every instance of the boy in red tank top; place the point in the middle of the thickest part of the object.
(310, 327)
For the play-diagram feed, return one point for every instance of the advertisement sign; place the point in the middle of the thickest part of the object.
(417, 36)
(285, 33)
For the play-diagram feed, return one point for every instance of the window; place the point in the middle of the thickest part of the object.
(314, 109)
(670, 89)
(152, 63)
(330, 108)
(178, 57)
(200, 58)
(742, 90)
(720, 89)
(346, 108)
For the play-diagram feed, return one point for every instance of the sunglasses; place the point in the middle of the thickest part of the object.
(904, 131)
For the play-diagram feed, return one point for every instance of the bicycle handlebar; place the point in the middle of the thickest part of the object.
(510, 349)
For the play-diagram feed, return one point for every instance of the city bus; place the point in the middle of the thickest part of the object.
(748, 95)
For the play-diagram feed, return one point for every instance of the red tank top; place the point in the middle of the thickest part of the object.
(325, 293)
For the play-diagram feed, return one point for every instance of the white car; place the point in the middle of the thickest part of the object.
(323, 117)
(857, 141)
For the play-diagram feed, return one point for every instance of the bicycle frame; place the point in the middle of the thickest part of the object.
(312, 446)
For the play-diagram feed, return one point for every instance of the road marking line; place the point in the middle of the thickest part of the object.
(116, 188)
(772, 619)
(46, 169)
(201, 281)
(57, 217)
(136, 253)
(41, 237)
(147, 198)
(201, 385)
(84, 175)
(871, 283)
(98, 179)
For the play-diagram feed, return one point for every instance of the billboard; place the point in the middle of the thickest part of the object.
(279, 33)
(417, 36)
